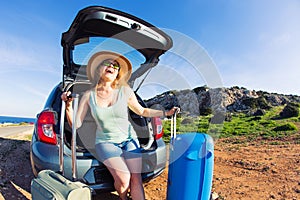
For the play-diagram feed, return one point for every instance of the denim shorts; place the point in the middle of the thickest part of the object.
(128, 150)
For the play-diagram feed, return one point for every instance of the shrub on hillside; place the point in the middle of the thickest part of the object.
(205, 111)
(290, 110)
(187, 121)
(219, 117)
(259, 112)
(249, 102)
(286, 127)
(262, 103)
(256, 103)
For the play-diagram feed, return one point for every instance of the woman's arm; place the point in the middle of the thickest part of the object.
(136, 107)
(82, 108)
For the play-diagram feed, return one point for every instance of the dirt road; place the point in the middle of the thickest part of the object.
(257, 170)
(7, 131)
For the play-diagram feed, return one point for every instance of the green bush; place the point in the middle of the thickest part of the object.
(263, 104)
(250, 102)
(205, 111)
(187, 121)
(254, 103)
(286, 127)
(218, 118)
(290, 110)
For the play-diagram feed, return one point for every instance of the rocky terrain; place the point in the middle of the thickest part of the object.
(204, 100)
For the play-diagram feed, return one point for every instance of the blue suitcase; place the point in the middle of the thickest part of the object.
(190, 166)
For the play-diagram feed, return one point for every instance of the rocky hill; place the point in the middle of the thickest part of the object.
(204, 100)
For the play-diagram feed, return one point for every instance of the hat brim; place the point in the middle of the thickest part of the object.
(93, 63)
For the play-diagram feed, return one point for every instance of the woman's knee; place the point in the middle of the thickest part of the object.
(119, 170)
(135, 178)
(122, 180)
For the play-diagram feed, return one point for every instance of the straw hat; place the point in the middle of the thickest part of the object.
(125, 65)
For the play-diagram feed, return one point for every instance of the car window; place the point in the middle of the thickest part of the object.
(86, 47)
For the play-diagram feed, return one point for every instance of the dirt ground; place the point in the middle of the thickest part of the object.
(259, 169)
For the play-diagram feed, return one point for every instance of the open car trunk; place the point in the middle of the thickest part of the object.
(98, 21)
(92, 29)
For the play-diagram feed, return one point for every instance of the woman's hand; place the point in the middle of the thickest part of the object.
(172, 111)
(66, 96)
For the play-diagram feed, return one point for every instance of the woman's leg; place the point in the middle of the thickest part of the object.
(133, 158)
(110, 155)
(118, 169)
(136, 184)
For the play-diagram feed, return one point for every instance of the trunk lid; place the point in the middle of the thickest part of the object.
(101, 22)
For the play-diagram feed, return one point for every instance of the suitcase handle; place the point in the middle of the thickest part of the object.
(73, 142)
(173, 128)
(74, 134)
(173, 123)
(58, 178)
(61, 144)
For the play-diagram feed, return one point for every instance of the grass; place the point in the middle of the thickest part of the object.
(28, 137)
(270, 125)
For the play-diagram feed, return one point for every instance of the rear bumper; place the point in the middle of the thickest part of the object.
(89, 170)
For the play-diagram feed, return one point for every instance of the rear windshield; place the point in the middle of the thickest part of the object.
(86, 47)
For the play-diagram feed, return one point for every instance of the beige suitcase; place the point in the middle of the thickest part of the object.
(52, 185)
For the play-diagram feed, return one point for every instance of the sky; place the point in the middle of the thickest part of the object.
(251, 43)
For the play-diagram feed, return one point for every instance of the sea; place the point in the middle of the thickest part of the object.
(16, 120)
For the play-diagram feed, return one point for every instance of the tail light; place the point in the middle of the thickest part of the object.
(158, 128)
(45, 127)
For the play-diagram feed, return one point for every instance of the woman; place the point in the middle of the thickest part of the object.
(116, 143)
